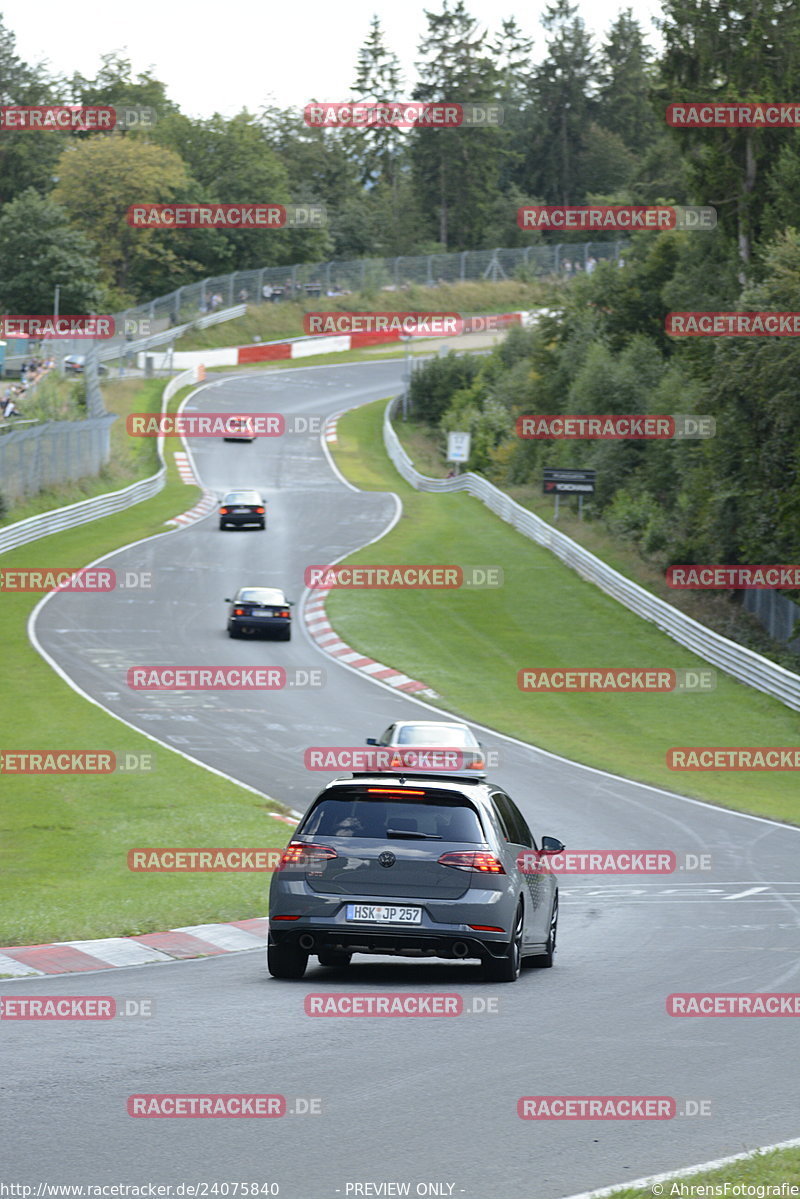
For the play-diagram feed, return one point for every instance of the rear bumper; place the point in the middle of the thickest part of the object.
(443, 931)
(264, 625)
(244, 518)
(401, 942)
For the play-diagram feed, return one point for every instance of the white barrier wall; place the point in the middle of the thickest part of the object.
(81, 513)
(736, 660)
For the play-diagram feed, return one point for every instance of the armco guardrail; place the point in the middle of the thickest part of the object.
(112, 502)
(736, 660)
(119, 348)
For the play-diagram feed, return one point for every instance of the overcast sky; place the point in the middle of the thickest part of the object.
(223, 57)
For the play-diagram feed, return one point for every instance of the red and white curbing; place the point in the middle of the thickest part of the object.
(202, 508)
(207, 503)
(330, 429)
(108, 953)
(320, 630)
(184, 467)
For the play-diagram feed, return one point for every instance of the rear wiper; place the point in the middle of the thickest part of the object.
(399, 832)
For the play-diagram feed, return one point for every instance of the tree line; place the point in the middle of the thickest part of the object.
(735, 497)
(581, 123)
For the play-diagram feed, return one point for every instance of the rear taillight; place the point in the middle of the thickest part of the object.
(298, 854)
(283, 612)
(223, 511)
(239, 612)
(486, 863)
(259, 509)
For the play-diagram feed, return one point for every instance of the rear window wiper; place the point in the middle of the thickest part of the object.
(401, 832)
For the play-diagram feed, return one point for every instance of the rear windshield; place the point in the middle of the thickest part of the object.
(252, 596)
(438, 735)
(349, 815)
(242, 497)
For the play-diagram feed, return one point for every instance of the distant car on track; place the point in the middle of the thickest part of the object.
(75, 364)
(260, 610)
(421, 734)
(414, 865)
(243, 507)
(240, 428)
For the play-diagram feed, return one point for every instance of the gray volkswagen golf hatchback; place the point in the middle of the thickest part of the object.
(416, 865)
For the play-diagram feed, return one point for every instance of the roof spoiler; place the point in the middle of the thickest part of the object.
(440, 775)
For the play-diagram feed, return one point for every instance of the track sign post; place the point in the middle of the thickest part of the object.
(458, 445)
(558, 482)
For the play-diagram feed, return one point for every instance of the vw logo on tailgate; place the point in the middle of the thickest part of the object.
(387, 859)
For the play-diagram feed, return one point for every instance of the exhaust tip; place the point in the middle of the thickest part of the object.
(306, 941)
(460, 949)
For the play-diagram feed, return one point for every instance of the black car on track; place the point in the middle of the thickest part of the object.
(259, 610)
(243, 507)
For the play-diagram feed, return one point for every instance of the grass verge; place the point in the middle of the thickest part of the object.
(718, 610)
(469, 646)
(779, 1166)
(64, 838)
(274, 322)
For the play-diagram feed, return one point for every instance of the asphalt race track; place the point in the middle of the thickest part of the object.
(410, 1100)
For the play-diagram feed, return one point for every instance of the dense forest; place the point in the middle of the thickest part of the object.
(733, 498)
(581, 124)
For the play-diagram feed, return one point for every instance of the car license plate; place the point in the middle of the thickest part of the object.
(242, 509)
(384, 913)
(261, 614)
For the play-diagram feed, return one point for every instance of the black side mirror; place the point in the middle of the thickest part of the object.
(371, 741)
(228, 601)
(552, 845)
